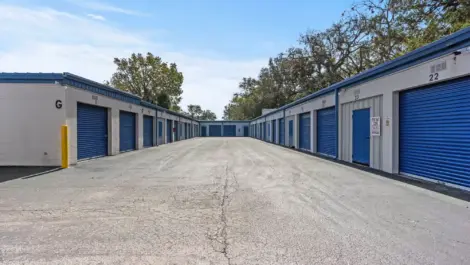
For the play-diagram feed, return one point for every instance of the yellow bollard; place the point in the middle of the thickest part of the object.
(65, 146)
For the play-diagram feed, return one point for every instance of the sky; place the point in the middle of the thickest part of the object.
(215, 43)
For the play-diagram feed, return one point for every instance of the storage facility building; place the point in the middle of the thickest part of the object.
(224, 128)
(409, 116)
(101, 120)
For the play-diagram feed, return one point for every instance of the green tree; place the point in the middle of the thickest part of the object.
(208, 115)
(150, 78)
(163, 100)
(196, 112)
(369, 33)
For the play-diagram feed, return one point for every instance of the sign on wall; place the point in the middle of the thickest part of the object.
(375, 126)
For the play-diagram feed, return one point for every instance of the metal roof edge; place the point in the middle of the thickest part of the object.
(428, 51)
(96, 84)
(297, 102)
(29, 77)
(160, 108)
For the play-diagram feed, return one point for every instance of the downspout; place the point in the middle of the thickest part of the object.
(337, 121)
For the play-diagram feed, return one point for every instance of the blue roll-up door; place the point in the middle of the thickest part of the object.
(127, 131)
(435, 132)
(268, 129)
(92, 131)
(215, 130)
(291, 133)
(326, 131)
(203, 131)
(304, 131)
(148, 131)
(264, 131)
(230, 130)
(281, 131)
(168, 131)
(273, 125)
(177, 130)
(246, 131)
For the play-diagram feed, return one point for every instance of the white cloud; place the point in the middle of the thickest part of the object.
(97, 17)
(42, 40)
(105, 7)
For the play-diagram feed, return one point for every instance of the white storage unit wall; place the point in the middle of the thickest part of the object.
(311, 106)
(76, 95)
(410, 113)
(91, 111)
(28, 141)
(273, 117)
(383, 95)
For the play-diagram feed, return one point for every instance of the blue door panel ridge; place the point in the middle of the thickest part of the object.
(127, 130)
(273, 139)
(215, 130)
(168, 131)
(435, 132)
(264, 132)
(326, 131)
(281, 131)
(291, 133)
(304, 131)
(230, 130)
(92, 131)
(361, 136)
(148, 131)
(177, 130)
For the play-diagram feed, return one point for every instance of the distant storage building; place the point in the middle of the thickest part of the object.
(224, 128)
(409, 116)
(101, 120)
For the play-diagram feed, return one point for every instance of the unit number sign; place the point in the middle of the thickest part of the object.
(375, 126)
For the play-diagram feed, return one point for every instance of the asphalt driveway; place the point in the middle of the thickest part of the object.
(226, 201)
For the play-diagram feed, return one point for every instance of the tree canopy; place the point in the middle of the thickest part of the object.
(371, 32)
(196, 112)
(150, 78)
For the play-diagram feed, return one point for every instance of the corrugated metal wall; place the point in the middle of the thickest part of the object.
(375, 105)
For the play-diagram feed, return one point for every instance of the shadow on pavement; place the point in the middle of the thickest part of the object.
(10, 173)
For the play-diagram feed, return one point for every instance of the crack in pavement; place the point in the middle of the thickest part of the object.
(221, 236)
(223, 217)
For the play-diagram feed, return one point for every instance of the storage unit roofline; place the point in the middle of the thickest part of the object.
(227, 121)
(443, 46)
(83, 83)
